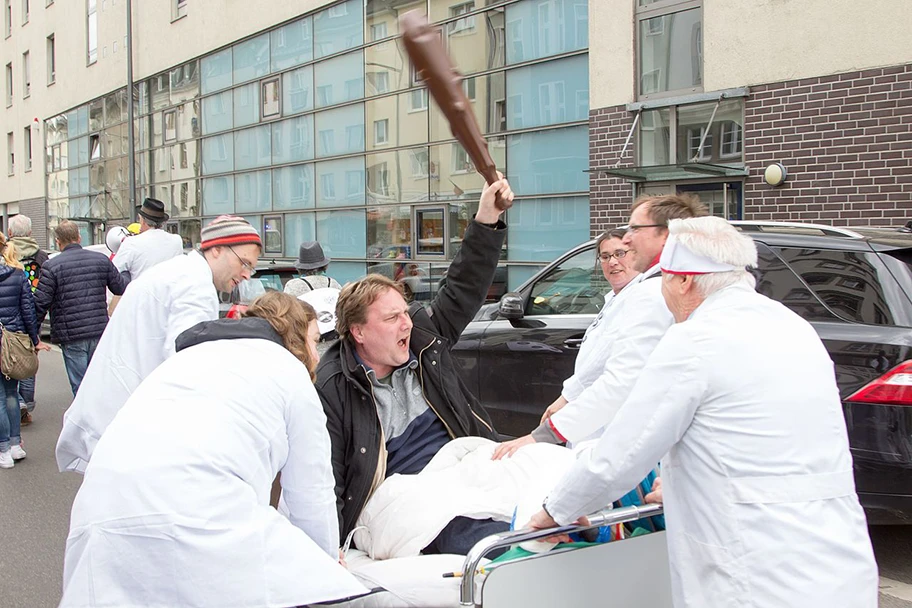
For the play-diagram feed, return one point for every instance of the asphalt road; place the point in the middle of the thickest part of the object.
(35, 502)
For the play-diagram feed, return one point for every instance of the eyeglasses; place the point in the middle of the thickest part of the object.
(247, 266)
(607, 255)
(636, 227)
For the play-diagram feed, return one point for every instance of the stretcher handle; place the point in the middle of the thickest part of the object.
(605, 517)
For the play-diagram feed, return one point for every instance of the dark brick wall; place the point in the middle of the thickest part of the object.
(609, 198)
(36, 210)
(846, 141)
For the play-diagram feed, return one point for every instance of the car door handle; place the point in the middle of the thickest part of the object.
(573, 342)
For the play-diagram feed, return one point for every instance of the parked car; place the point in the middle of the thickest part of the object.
(270, 276)
(854, 287)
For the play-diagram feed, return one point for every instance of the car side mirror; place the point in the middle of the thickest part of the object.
(511, 306)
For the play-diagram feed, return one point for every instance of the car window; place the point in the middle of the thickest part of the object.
(776, 280)
(575, 286)
(855, 285)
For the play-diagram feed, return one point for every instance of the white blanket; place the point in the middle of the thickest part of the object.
(408, 511)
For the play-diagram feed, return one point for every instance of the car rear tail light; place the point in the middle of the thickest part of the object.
(893, 388)
(236, 311)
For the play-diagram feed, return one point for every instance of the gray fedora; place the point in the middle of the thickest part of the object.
(311, 256)
(153, 210)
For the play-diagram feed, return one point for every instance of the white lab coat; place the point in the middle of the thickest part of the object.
(759, 495)
(139, 253)
(154, 310)
(631, 330)
(174, 508)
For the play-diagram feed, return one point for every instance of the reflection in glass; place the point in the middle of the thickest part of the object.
(190, 233)
(253, 191)
(655, 137)
(185, 82)
(291, 44)
(253, 147)
(161, 93)
(543, 228)
(217, 113)
(188, 120)
(340, 182)
(487, 94)
(386, 68)
(339, 79)
(293, 187)
(389, 232)
(115, 104)
(292, 140)
(338, 28)
(218, 195)
(342, 234)
(383, 16)
(476, 43)
(403, 128)
(216, 71)
(721, 144)
(96, 115)
(297, 90)
(545, 28)
(452, 175)
(397, 177)
(340, 131)
(251, 59)
(218, 154)
(272, 234)
(246, 105)
(671, 52)
(549, 161)
(161, 165)
(299, 227)
(548, 93)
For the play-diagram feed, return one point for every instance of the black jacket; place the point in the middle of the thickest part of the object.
(17, 308)
(72, 286)
(351, 413)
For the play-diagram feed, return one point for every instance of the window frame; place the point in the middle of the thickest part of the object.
(51, 53)
(662, 8)
(91, 14)
(27, 146)
(9, 84)
(381, 125)
(264, 84)
(26, 75)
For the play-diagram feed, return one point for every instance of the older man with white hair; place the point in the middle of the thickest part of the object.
(740, 398)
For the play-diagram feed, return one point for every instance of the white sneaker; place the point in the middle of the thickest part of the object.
(6, 460)
(17, 452)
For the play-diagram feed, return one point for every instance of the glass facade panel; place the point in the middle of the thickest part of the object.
(403, 128)
(253, 192)
(338, 28)
(218, 195)
(339, 79)
(541, 28)
(292, 140)
(723, 142)
(397, 177)
(548, 93)
(216, 71)
(188, 124)
(82, 122)
(340, 131)
(487, 94)
(297, 90)
(671, 52)
(161, 165)
(655, 137)
(386, 68)
(291, 44)
(342, 234)
(218, 154)
(115, 106)
(541, 229)
(299, 227)
(549, 161)
(96, 115)
(346, 272)
(340, 182)
(383, 16)
(78, 151)
(293, 187)
(389, 236)
(217, 113)
(517, 275)
(185, 82)
(247, 105)
(161, 93)
(476, 43)
(252, 148)
(251, 59)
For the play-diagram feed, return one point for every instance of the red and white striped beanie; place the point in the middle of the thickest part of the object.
(228, 230)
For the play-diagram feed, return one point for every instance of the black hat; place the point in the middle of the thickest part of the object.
(153, 210)
(311, 256)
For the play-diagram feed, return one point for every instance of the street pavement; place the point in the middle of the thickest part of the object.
(35, 502)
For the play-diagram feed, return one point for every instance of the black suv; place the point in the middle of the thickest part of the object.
(270, 276)
(854, 286)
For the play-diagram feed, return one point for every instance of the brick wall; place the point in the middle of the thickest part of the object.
(609, 198)
(36, 210)
(846, 141)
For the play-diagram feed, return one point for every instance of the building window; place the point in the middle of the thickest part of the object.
(9, 84)
(328, 186)
(378, 82)
(381, 132)
(94, 147)
(26, 76)
(25, 11)
(169, 118)
(418, 159)
(91, 32)
(178, 9)
(461, 161)
(27, 142)
(10, 155)
(51, 60)
(731, 139)
(418, 100)
(468, 86)
(378, 31)
(670, 48)
(671, 135)
(7, 18)
(693, 142)
(271, 98)
(466, 24)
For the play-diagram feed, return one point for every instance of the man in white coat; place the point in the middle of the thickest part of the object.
(155, 309)
(151, 246)
(637, 322)
(741, 395)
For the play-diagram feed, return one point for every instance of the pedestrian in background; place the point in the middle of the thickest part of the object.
(312, 263)
(17, 313)
(151, 246)
(73, 288)
(32, 258)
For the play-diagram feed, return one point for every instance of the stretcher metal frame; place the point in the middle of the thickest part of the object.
(607, 517)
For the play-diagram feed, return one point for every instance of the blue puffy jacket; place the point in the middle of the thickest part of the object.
(17, 307)
(72, 286)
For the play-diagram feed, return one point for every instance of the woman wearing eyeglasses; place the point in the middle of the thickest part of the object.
(590, 360)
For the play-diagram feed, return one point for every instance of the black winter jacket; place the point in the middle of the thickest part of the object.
(72, 287)
(351, 413)
(17, 308)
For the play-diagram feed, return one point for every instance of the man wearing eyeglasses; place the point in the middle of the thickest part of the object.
(637, 323)
(168, 299)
